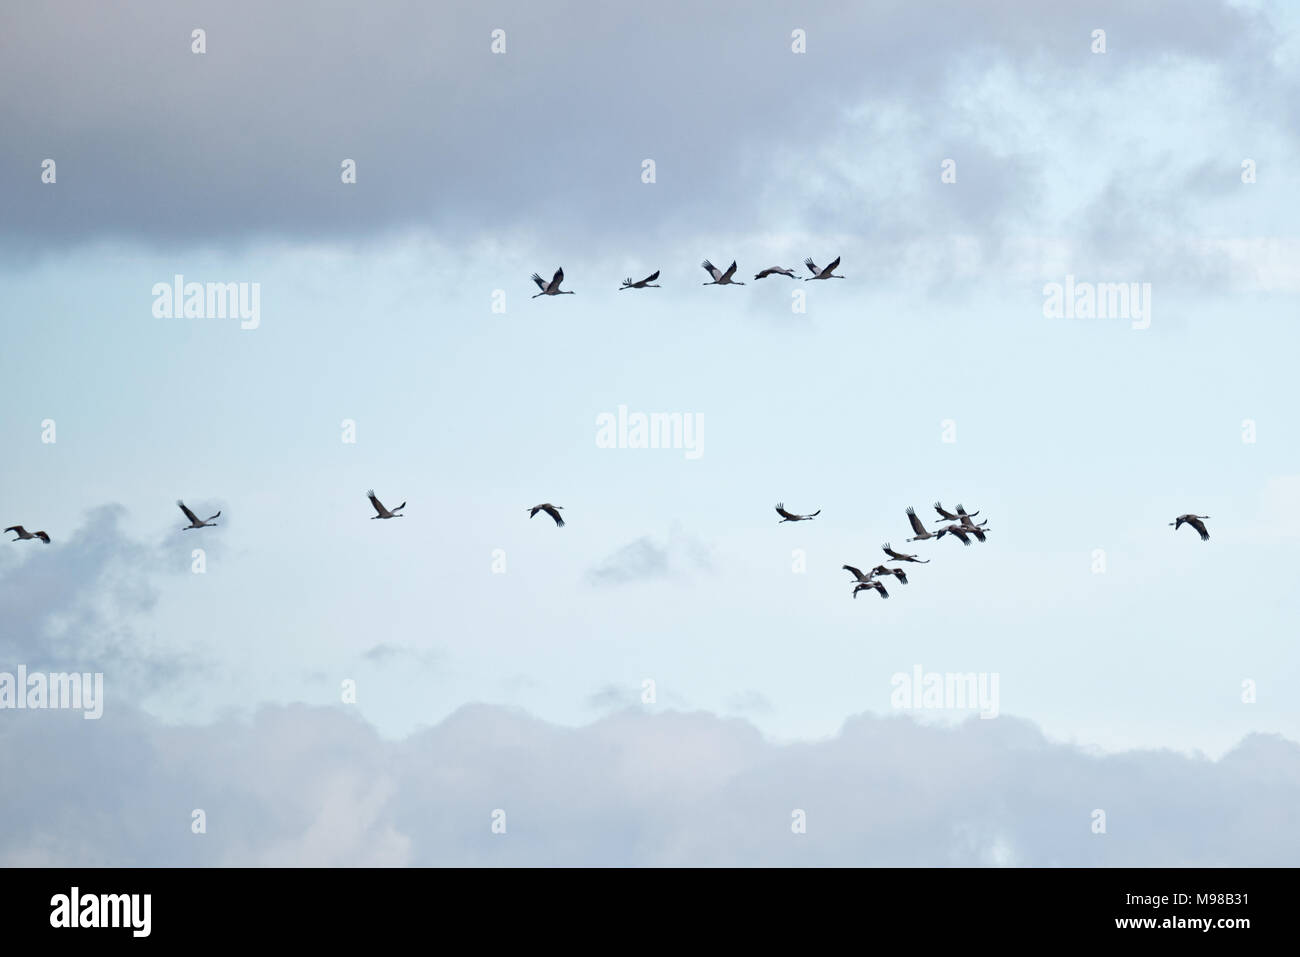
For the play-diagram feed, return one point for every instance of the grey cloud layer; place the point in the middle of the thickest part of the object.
(159, 144)
(313, 786)
(73, 604)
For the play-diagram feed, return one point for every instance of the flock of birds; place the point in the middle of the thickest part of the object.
(195, 522)
(961, 526)
(720, 277)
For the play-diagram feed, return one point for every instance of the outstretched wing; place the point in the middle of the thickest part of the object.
(896, 572)
(916, 522)
(857, 573)
(550, 510)
(16, 528)
(541, 284)
(188, 514)
(780, 510)
(960, 533)
(944, 513)
(731, 271)
(43, 537)
(557, 278)
(1197, 524)
(834, 263)
(711, 269)
(379, 506)
(652, 277)
(812, 267)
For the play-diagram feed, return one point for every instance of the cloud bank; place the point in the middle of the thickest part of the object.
(316, 786)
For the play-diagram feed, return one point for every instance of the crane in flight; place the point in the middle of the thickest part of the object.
(792, 517)
(720, 278)
(647, 283)
(949, 516)
(552, 288)
(194, 519)
(549, 509)
(921, 533)
(23, 534)
(379, 507)
(827, 273)
(900, 557)
(896, 572)
(1195, 521)
(863, 586)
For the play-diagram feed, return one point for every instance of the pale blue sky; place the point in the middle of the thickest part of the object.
(376, 306)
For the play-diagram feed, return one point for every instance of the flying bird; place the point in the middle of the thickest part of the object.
(948, 515)
(720, 278)
(900, 557)
(22, 534)
(821, 273)
(957, 531)
(896, 572)
(773, 271)
(1195, 522)
(648, 281)
(863, 586)
(921, 533)
(549, 509)
(552, 288)
(971, 527)
(379, 507)
(790, 516)
(194, 519)
(857, 573)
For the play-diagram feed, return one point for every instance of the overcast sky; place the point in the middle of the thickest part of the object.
(499, 661)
